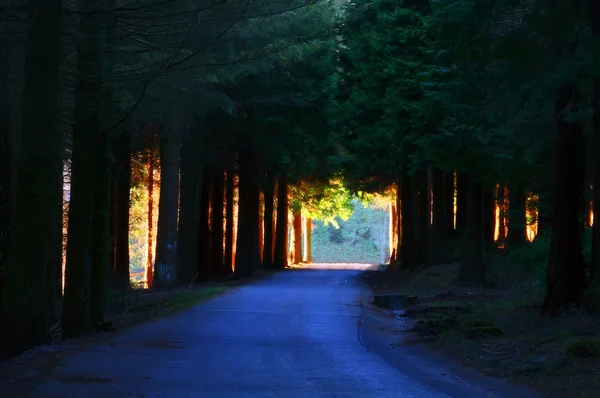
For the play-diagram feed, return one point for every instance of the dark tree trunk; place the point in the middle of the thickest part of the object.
(566, 274)
(188, 231)
(297, 226)
(122, 152)
(261, 227)
(439, 231)
(229, 230)
(422, 225)
(247, 252)
(267, 256)
(595, 269)
(461, 204)
(113, 221)
(408, 247)
(280, 256)
(24, 294)
(489, 218)
(6, 159)
(204, 238)
(448, 187)
(218, 196)
(517, 222)
(168, 205)
(471, 268)
(77, 316)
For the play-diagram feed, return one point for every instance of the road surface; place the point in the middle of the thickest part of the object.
(299, 333)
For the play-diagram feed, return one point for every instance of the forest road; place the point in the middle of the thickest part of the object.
(300, 333)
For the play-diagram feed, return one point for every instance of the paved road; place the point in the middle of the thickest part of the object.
(295, 334)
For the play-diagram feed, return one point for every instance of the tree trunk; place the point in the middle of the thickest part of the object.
(165, 270)
(501, 203)
(267, 257)
(280, 256)
(150, 212)
(438, 246)
(566, 274)
(122, 151)
(471, 268)
(261, 227)
(188, 232)
(408, 247)
(489, 218)
(229, 230)
(6, 159)
(461, 204)
(24, 300)
(595, 269)
(218, 197)
(308, 244)
(204, 238)
(248, 254)
(77, 316)
(393, 234)
(110, 265)
(297, 225)
(423, 215)
(448, 187)
(517, 222)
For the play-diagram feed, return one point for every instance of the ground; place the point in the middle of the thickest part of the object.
(499, 330)
(308, 332)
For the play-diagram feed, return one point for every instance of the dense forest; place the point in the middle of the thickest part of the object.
(212, 133)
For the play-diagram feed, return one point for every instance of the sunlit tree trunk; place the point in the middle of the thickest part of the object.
(218, 197)
(501, 203)
(150, 211)
(166, 235)
(122, 153)
(297, 226)
(24, 300)
(471, 268)
(393, 224)
(308, 244)
(189, 209)
(248, 255)
(229, 214)
(566, 274)
(267, 257)
(280, 256)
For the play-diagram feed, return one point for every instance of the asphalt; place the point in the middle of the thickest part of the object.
(300, 333)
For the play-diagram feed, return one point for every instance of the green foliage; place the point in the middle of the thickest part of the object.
(362, 238)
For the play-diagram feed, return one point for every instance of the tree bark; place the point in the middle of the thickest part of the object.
(501, 203)
(423, 215)
(150, 212)
(188, 231)
(408, 247)
(24, 300)
(122, 152)
(261, 226)
(566, 274)
(267, 256)
(280, 256)
(308, 245)
(218, 197)
(448, 187)
(204, 238)
(229, 214)
(461, 204)
(165, 270)
(297, 226)
(471, 268)
(77, 315)
(517, 222)
(248, 254)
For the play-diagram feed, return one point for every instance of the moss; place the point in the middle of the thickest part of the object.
(587, 348)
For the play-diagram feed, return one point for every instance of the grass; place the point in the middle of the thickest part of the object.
(498, 329)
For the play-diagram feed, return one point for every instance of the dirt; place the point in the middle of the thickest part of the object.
(20, 374)
(499, 330)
